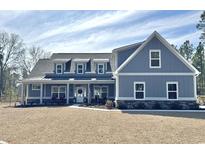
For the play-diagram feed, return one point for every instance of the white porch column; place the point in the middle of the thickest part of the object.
(41, 94)
(27, 87)
(67, 96)
(88, 92)
(117, 88)
(195, 87)
(22, 93)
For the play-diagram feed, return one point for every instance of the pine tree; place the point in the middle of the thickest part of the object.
(201, 26)
(198, 61)
(186, 50)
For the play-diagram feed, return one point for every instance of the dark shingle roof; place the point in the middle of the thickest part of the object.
(128, 47)
(81, 55)
(42, 66)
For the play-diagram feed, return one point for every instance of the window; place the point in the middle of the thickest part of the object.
(155, 59)
(59, 69)
(62, 92)
(139, 90)
(80, 69)
(101, 91)
(36, 86)
(100, 68)
(58, 92)
(55, 92)
(172, 90)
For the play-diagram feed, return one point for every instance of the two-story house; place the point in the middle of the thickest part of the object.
(151, 70)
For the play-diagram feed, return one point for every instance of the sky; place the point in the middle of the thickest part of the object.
(98, 31)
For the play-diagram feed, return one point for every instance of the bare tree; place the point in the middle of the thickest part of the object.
(31, 57)
(11, 51)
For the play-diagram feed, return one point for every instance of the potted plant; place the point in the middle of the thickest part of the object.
(109, 104)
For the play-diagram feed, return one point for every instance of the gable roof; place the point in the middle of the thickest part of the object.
(42, 66)
(163, 41)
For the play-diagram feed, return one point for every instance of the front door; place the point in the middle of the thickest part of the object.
(80, 94)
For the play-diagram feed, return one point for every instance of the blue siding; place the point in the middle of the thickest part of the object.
(156, 85)
(169, 62)
(111, 89)
(33, 93)
(46, 90)
(71, 90)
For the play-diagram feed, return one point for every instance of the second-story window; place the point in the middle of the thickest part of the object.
(155, 59)
(80, 69)
(101, 69)
(59, 69)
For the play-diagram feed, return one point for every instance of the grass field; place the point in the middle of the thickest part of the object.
(69, 125)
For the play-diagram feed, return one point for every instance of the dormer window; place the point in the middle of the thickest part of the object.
(59, 68)
(101, 69)
(155, 59)
(80, 69)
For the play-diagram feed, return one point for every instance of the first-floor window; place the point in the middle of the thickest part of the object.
(139, 90)
(172, 90)
(36, 87)
(58, 92)
(101, 92)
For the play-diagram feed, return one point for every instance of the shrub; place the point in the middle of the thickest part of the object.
(109, 104)
(121, 105)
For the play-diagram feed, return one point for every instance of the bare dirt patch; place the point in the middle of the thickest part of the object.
(69, 125)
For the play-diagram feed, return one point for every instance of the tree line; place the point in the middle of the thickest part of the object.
(196, 55)
(17, 60)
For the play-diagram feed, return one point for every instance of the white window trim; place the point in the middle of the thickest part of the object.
(103, 68)
(177, 91)
(61, 68)
(100, 87)
(58, 87)
(35, 88)
(150, 58)
(136, 82)
(82, 68)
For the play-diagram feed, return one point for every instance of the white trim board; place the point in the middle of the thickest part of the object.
(156, 34)
(69, 81)
(152, 74)
(158, 99)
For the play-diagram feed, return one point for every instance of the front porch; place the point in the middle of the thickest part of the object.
(44, 93)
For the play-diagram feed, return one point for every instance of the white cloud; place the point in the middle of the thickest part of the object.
(192, 37)
(138, 30)
(90, 22)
